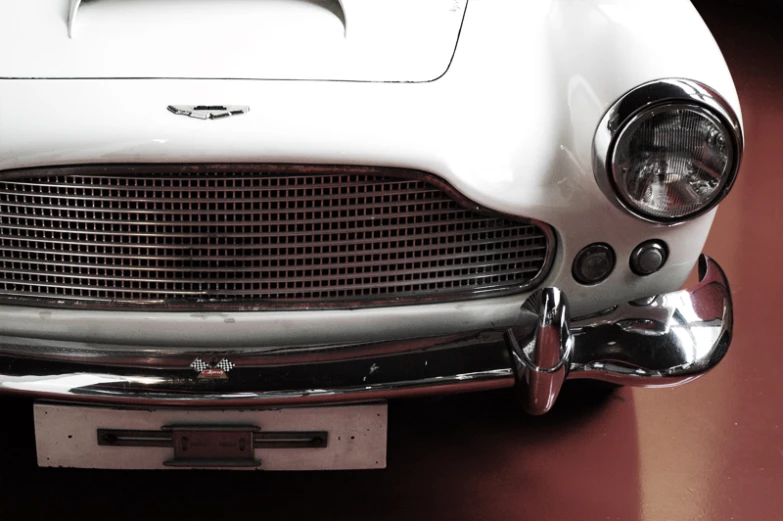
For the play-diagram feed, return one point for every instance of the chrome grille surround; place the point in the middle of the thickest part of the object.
(253, 237)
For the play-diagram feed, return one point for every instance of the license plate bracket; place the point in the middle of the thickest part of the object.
(211, 446)
(339, 437)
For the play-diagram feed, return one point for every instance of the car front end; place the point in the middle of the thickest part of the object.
(358, 203)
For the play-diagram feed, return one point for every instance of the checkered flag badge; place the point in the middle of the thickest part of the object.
(225, 365)
(199, 365)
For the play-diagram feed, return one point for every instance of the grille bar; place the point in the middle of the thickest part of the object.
(255, 236)
(409, 194)
(137, 262)
(388, 207)
(247, 292)
(322, 248)
(153, 223)
(474, 224)
(271, 276)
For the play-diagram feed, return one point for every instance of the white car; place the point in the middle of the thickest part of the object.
(231, 230)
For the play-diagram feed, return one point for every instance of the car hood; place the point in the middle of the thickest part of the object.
(357, 40)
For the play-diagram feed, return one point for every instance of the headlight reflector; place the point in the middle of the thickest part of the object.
(671, 161)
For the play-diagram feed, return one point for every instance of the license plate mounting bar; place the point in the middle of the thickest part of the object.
(213, 445)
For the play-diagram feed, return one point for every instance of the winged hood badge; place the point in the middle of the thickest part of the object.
(209, 111)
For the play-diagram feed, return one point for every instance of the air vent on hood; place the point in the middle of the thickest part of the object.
(333, 6)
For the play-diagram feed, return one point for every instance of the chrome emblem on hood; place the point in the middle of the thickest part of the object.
(209, 111)
(212, 370)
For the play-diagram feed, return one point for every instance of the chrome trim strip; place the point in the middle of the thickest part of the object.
(174, 358)
(95, 388)
(661, 341)
(443, 366)
(644, 97)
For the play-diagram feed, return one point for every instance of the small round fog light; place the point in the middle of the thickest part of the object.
(648, 257)
(593, 264)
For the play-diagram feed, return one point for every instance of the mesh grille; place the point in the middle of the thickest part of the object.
(260, 238)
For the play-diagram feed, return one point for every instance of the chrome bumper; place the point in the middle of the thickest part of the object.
(656, 342)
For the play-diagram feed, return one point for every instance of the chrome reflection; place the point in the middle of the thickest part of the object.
(541, 353)
(662, 341)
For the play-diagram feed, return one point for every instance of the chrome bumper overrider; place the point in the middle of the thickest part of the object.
(655, 342)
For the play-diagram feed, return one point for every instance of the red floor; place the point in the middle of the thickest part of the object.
(710, 450)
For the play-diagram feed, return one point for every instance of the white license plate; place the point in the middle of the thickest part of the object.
(308, 438)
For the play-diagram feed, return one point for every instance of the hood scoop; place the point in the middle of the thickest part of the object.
(333, 6)
(386, 40)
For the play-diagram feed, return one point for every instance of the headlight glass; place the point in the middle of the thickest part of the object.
(671, 161)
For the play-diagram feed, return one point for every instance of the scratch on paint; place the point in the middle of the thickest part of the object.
(373, 368)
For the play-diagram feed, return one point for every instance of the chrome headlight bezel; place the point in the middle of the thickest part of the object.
(648, 97)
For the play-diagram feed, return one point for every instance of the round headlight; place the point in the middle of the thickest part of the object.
(672, 161)
(671, 158)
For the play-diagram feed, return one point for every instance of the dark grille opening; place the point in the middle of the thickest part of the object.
(266, 237)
